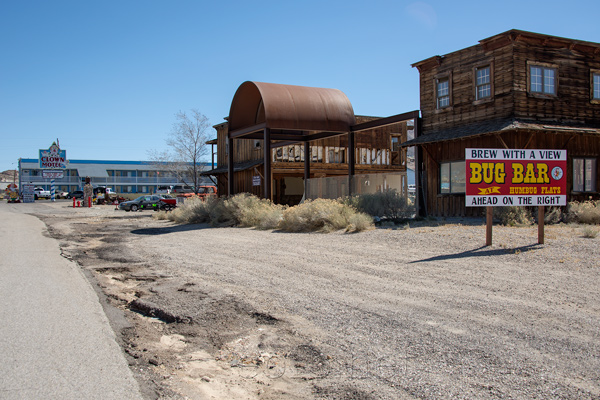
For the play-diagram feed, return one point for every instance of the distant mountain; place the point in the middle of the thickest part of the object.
(8, 175)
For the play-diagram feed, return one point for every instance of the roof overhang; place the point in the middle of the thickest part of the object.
(242, 166)
(499, 126)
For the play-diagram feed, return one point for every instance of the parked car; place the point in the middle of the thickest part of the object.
(182, 189)
(77, 194)
(152, 202)
(164, 190)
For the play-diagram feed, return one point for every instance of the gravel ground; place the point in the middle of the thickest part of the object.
(423, 311)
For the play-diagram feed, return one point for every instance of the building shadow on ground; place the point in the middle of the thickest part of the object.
(170, 229)
(483, 251)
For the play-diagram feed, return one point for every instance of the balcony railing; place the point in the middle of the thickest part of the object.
(111, 180)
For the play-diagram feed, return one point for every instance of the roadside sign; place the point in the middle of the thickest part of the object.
(28, 193)
(53, 158)
(52, 174)
(505, 177)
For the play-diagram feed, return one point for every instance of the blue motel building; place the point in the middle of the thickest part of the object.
(120, 176)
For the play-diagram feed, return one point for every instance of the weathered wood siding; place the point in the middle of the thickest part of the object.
(464, 108)
(572, 104)
(443, 205)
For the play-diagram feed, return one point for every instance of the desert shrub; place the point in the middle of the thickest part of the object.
(161, 215)
(323, 215)
(553, 216)
(585, 212)
(387, 204)
(192, 211)
(513, 215)
(250, 211)
(589, 232)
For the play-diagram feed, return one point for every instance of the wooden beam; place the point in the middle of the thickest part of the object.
(230, 187)
(247, 130)
(323, 135)
(501, 141)
(529, 140)
(437, 165)
(564, 146)
(385, 121)
(351, 162)
(267, 164)
(307, 157)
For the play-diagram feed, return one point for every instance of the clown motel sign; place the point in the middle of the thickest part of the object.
(53, 158)
(505, 177)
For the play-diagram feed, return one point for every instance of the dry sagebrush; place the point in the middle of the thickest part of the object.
(324, 215)
(585, 212)
(247, 210)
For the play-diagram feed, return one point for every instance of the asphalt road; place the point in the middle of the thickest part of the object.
(55, 339)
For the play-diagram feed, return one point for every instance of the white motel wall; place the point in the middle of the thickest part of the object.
(120, 176)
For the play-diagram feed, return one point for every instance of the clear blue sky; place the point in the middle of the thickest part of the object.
(107, 77)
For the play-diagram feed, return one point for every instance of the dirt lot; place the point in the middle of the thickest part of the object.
(422, 311)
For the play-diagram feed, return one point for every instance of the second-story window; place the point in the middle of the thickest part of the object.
(542, 79)
(596, 85)
(483, 83)
(443, 92)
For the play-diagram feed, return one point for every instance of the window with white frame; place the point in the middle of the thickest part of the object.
(483, 82)
(596, 85)
(584, 174)
(442, 92)
(452, 177)
(542, 79)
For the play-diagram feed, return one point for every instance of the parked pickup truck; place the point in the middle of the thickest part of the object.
(40, 193)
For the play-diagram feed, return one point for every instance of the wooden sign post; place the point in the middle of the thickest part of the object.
(489, 216)
(541, 224)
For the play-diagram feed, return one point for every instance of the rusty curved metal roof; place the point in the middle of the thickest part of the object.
(289, 107)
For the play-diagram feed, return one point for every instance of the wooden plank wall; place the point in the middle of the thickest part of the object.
(443, 205)
(573, 103)
(465, 109)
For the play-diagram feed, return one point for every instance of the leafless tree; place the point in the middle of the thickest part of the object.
(187, 144)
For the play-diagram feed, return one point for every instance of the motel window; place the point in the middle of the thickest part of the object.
(584, 174)
(483, 82)
(542, 79)
(442, 92)
(452, 177)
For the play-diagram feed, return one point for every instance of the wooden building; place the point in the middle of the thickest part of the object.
(299, 147)
(514, 90)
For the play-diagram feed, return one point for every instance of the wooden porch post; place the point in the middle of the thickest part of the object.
(420, 190)
(307, 156)
(267, 163)
(351, 162)
(230, 166)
